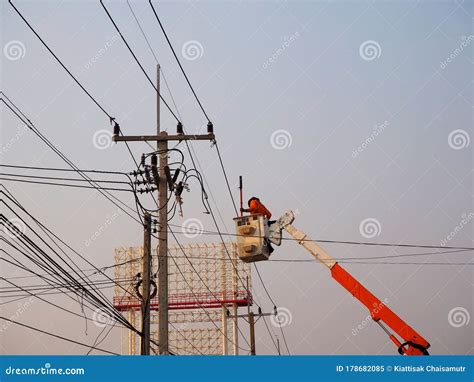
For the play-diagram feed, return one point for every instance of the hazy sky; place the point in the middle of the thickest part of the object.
(343, 111)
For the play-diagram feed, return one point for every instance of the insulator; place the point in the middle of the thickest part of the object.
(143, 160)
(179, 189)
(179, 128)
(210, 128)
(169, 180)
(154, 160)
(147, 175)
(175, 176)
(116, 129)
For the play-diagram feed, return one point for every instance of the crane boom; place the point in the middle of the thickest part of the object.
(413, 343)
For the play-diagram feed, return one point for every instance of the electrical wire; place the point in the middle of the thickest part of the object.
(56, 336)
(137, 61)
(65, 185)
(177, 59)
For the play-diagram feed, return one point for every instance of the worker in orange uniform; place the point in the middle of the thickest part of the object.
(257, 207)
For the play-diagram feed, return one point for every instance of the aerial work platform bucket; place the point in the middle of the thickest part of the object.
(251, 233)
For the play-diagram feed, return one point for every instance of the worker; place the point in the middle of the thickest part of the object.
(257, 207)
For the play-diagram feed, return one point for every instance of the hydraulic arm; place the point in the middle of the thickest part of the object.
(412, 342)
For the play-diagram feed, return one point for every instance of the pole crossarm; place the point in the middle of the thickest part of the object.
(163, 137)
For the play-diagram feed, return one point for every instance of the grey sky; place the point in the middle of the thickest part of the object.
(343, 111)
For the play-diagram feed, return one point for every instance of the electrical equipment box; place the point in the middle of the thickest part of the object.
(251, 233)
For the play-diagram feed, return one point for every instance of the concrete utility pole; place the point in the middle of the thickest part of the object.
(146, 273)
(250, 316)
(162, 138)
(162, 147)
(252, 333)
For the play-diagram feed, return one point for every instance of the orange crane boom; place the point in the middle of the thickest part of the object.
(413, 343)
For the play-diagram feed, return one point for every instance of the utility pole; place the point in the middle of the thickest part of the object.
(162, 147)
(251, 316)
(252, 333)
(162, 138)
(146, 271)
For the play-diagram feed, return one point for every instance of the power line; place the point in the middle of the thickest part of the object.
(57, 336)
(65, 185)
(205, 114)
(65, 277)
(137, 61)
(179, 63)
(154, 55)
(61, 63)
(21, 116)
(62, 178)
(63, 169)
(209, 232)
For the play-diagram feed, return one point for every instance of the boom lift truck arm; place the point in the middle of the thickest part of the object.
(413, 342)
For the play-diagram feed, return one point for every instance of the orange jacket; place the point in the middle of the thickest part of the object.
(257, 207)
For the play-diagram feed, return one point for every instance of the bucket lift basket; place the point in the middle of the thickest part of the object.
(251, 233)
